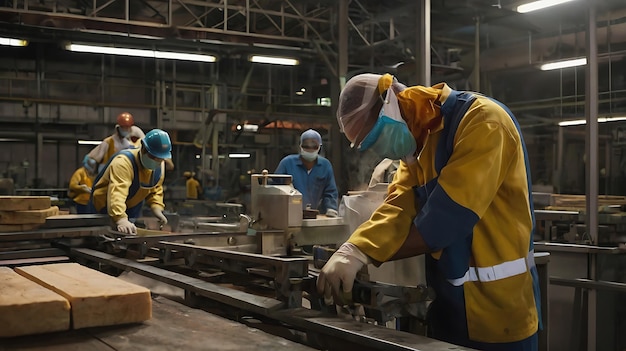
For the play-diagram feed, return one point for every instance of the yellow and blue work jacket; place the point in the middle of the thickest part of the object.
(76, 192)
(121, 188)
(468, 196)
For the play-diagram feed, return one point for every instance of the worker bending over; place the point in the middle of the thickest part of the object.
(461, 195)
(131, 178)
(312, 175)
(81, 183)
(126, 136)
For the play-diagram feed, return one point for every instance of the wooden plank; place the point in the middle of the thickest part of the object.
(150, 232)
(28, 308)
(28, 216)
(33, 260)
(9, 228)
(97, 299)
(579, 201)
(23, 203)
(77, 220)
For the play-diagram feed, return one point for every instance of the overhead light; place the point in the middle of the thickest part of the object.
(239, 155)
(248, 127)
(578, 122)
(324, 101)
(89, 142)
(13, 42)
(564, 64)
(538, 5)
(108, 50)
(274, 60)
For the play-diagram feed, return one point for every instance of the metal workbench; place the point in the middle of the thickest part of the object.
(173, 327)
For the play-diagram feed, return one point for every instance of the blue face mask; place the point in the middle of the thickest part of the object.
(123, 133)
(390, 137)
(149, 163)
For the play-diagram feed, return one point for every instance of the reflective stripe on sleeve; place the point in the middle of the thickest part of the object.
(500, 271)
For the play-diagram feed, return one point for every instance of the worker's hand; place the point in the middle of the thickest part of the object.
(337, 277)
(158, 213)
(331, 213)
(125, 226)
(85, 188)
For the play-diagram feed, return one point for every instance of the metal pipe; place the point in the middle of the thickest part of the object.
(591, 143)
(39, 144)
(174, 93)
(422, 36)
(477, 69)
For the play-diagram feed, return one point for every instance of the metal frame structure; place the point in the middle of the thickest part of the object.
(322, 330)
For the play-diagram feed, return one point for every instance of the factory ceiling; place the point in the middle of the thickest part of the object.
(381, 38)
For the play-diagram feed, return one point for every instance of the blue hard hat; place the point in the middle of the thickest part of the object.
(158, 144)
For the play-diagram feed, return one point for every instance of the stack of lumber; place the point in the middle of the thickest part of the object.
(579, 201)
(22, 213)
(45, 298)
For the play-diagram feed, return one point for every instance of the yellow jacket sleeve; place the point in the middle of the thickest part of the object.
(155, 197)
(120, 179)
(384, 233)
(75, 182)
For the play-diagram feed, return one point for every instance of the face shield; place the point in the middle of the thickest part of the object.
(356, 101)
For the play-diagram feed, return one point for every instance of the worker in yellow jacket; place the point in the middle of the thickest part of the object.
(131, 178)
(80, 185)
(126, 136)
(194, 190)
(461, 196)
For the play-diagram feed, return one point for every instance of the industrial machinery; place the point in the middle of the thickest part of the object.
(258, 269)
(561, 219)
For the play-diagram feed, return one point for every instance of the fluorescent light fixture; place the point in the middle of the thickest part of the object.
(239, 155)
(274, 60)
(89, 142)
(578, 122)
(564, 64)
(13, 42)
(108, 50)
(538, 5)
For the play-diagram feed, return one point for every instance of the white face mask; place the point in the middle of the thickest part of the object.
(309, 156)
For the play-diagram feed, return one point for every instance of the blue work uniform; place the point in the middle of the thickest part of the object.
(317, 186)
(469, 197)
